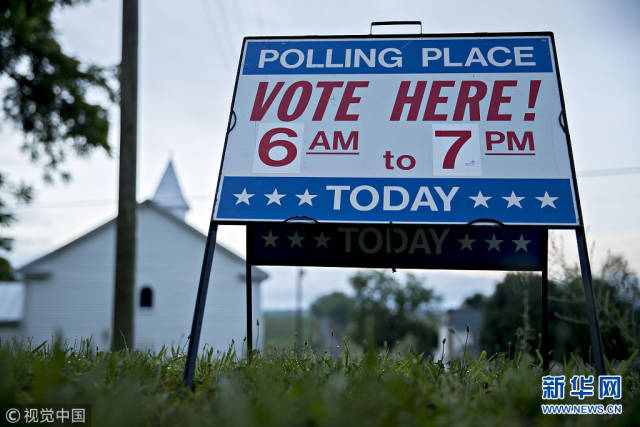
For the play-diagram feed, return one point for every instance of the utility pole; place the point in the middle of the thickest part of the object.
(126, 229)
(299, 309)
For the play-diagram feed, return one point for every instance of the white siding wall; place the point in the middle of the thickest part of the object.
(77, 298)
(169, 262)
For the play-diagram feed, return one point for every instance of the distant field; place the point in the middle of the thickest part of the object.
(280, 329)
(288, 388)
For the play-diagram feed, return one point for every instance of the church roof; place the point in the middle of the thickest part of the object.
(170, 203)
(169, 194)
(258, 274)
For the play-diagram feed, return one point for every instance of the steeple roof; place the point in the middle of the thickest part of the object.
(169, 195)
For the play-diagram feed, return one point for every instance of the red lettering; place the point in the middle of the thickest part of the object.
(472, 101)
(403, 98)
(490, 141)
(527, 138)
(285, 104)
(387, 156)
(347, 100)
(435, 99)
(325, 96)
(320, 140)
(260, 106)
(450, 158)
(338, 138)
(266, 144)
(497, 99)
(411, 165)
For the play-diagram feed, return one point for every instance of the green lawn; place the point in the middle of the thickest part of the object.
(284, 388)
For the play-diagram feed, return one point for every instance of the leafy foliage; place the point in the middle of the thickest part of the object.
(616, 291)
(387, 312)
(476, 301)
(512, 314)
(337, 307)
(47, 96)
(6, 272)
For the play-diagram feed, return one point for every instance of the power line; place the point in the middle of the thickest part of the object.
(93, 203)
(218, 36)
(609, 172)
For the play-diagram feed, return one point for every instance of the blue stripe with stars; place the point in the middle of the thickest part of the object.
(408, 200)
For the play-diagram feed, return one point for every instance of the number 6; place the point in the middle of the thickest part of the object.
(266, 145)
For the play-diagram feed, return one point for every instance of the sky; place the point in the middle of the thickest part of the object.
(189, 52)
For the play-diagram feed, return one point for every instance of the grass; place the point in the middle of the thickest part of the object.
(289, 388)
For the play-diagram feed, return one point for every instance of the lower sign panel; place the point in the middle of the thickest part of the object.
(401, 246)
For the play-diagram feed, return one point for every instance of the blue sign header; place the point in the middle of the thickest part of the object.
(397, 56)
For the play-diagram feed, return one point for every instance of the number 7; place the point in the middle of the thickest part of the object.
(462, 135)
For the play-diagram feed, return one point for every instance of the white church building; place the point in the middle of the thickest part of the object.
(70, 291)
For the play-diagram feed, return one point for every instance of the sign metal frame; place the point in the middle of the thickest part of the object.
(594, 328)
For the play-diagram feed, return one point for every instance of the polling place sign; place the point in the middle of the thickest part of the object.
(415, 129)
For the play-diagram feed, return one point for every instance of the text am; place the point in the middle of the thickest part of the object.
(336, 142)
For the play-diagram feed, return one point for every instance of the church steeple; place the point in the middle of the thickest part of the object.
(169, 195)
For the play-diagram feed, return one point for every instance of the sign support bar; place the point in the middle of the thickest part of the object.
(545, 306)
(201, 299)
(249, 298)
(590, 299)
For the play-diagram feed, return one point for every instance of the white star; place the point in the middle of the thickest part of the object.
(274, 197)
(296, 240)
(480, 200)
(513, 200)
(494, 243)
(243, 197)
(466, 242)
(322, 240)
(270, 239)
(306, 197)
(521, 243)
(547, 200)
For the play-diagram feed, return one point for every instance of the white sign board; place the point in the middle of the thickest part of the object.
(423, 129)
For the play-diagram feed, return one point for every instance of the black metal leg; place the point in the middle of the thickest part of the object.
(590, 299)
(201, 299)
(249, 313)
(545, 319)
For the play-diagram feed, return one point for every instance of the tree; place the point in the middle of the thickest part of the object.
(6, 272)
(387, 312)
(512, 317)
(337, 308)
(475, 301)
(616, 291)
(47, 96)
